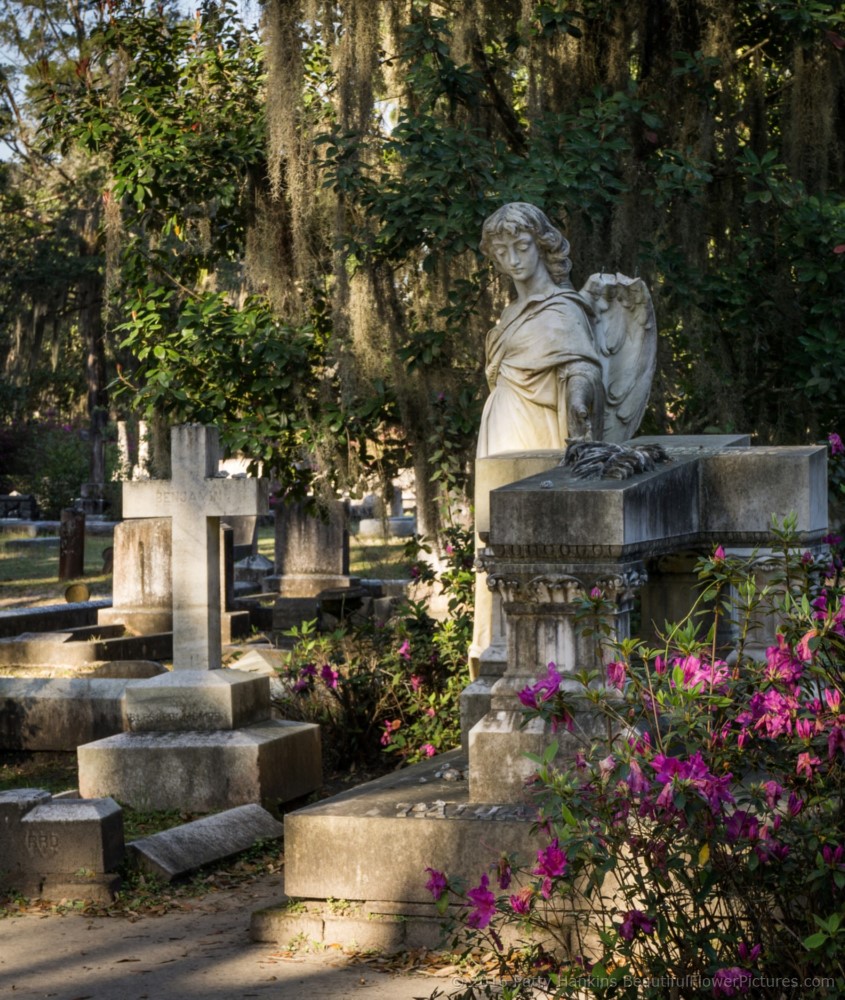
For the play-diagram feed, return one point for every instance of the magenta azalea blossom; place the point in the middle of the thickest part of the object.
(329, 677)
(836, 445)
(428, 749)
(741, 824)
(551, 861)
(437, 883)
(546, 688)
(636, 920)
(713, 790)
(806, 764)
(731, 982)
(637, 782)
(747, 953)
(483, 903)
(521, 901)
(405, 650)
(783, 665)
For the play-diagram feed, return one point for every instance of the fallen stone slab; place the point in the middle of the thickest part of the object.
(132, 670)
(173, 853)
(73, 648)
(50, 617)
(58, 713)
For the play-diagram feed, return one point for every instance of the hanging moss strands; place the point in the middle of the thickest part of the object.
(697, 144)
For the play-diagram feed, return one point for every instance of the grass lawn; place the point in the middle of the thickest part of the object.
(29, 574)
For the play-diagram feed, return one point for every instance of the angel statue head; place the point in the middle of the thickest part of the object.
(517, 218)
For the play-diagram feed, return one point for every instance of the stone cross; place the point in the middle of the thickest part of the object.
(195, 499)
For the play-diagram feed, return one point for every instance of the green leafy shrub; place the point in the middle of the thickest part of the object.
(387, 687)
(53, 466)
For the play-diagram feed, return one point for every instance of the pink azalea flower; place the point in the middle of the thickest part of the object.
(783, 665)
(637, 782)
(833, 699)
(836, 445)
(484, 904)
(551, 860)
(428, 750)
(833, 856)
(806, 765)
(389, 729)
(730, 982)
(747, 953)
(773, 791)
(835, 741)
(741, 824)
(437, 883)
(719, 554)
(521, 901)
(416, 682)
(405, 650)
(616, 674)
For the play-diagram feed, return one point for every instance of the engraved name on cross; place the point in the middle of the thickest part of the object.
(195, 499)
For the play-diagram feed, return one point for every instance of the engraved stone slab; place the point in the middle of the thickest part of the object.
(197, 700)
(67, 835)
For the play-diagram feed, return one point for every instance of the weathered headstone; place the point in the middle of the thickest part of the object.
(312, 552)
(199, 737)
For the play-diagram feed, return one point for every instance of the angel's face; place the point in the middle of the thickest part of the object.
(517, 255)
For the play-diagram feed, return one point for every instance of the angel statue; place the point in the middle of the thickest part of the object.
(562, 365)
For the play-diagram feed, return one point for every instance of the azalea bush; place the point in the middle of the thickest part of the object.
(700, 852)
(388, 687)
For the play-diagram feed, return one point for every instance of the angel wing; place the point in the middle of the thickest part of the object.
(626, 336)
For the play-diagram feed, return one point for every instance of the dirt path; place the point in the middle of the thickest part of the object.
(203, 953)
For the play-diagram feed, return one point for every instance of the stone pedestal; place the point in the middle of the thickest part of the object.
(540, 603)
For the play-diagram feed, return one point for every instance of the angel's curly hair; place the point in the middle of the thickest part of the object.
(519, 216)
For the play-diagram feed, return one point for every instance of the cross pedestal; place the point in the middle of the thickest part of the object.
(199, 737)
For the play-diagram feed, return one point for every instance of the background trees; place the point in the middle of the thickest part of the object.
(289, 218)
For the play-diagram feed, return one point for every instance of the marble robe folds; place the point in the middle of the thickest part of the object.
(532, 352)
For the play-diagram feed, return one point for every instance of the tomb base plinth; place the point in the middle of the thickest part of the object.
(269, 762)
(336, 850)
